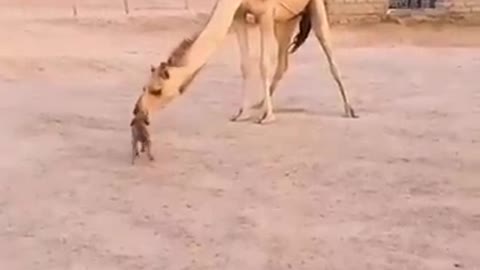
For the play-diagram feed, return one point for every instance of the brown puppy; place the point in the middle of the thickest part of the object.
(140, 134)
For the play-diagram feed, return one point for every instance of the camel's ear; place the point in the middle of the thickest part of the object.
(152, 69)
(132, 122)
(164, 74)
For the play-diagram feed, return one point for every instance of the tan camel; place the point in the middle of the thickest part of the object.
(276, 19)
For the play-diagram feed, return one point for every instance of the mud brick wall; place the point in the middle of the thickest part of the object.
(467, 9)
(356, 11)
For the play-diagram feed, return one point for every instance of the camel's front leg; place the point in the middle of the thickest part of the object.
(268, 62)
(241, 30)
(284, 33)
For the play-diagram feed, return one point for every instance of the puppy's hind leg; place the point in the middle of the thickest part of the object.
(148, 148)
(134, 151)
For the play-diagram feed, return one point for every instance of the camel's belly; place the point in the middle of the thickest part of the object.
(284, 9)
(255, 7)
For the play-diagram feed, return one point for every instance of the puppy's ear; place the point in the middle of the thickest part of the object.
(136, 108)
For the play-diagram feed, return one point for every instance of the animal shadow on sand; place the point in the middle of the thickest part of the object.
(298, 111)
(304, 111)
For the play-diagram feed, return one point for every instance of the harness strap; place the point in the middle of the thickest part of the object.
(283, 4)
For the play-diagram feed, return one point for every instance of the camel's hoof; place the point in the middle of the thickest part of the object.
(350, 112)
(236, 116)
(266, 119)
(240, 115)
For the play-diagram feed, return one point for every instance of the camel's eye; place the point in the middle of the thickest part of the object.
(156, 92)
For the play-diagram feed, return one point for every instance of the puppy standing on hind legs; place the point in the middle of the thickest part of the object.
(140, 134)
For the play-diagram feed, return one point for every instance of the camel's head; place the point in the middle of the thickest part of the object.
(168, 80)
(159, 90)
(157, 84)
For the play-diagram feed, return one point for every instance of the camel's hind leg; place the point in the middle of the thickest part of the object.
(283, 32)
(268, 61)
(246, 65)
(148, 147)
(321, 28)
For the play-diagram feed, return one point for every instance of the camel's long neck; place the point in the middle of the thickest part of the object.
(210, 37)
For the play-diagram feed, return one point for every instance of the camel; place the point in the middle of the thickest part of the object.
(277, 20)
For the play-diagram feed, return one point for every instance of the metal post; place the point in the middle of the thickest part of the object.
(74, 9)
(126, 7)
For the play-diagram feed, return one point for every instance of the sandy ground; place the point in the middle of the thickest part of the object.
(397, 188)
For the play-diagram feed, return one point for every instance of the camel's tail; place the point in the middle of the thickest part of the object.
(305, 26)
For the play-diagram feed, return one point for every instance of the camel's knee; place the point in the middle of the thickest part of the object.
(283, 67)
(246, 68)
(268, 67)
(245, 71)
